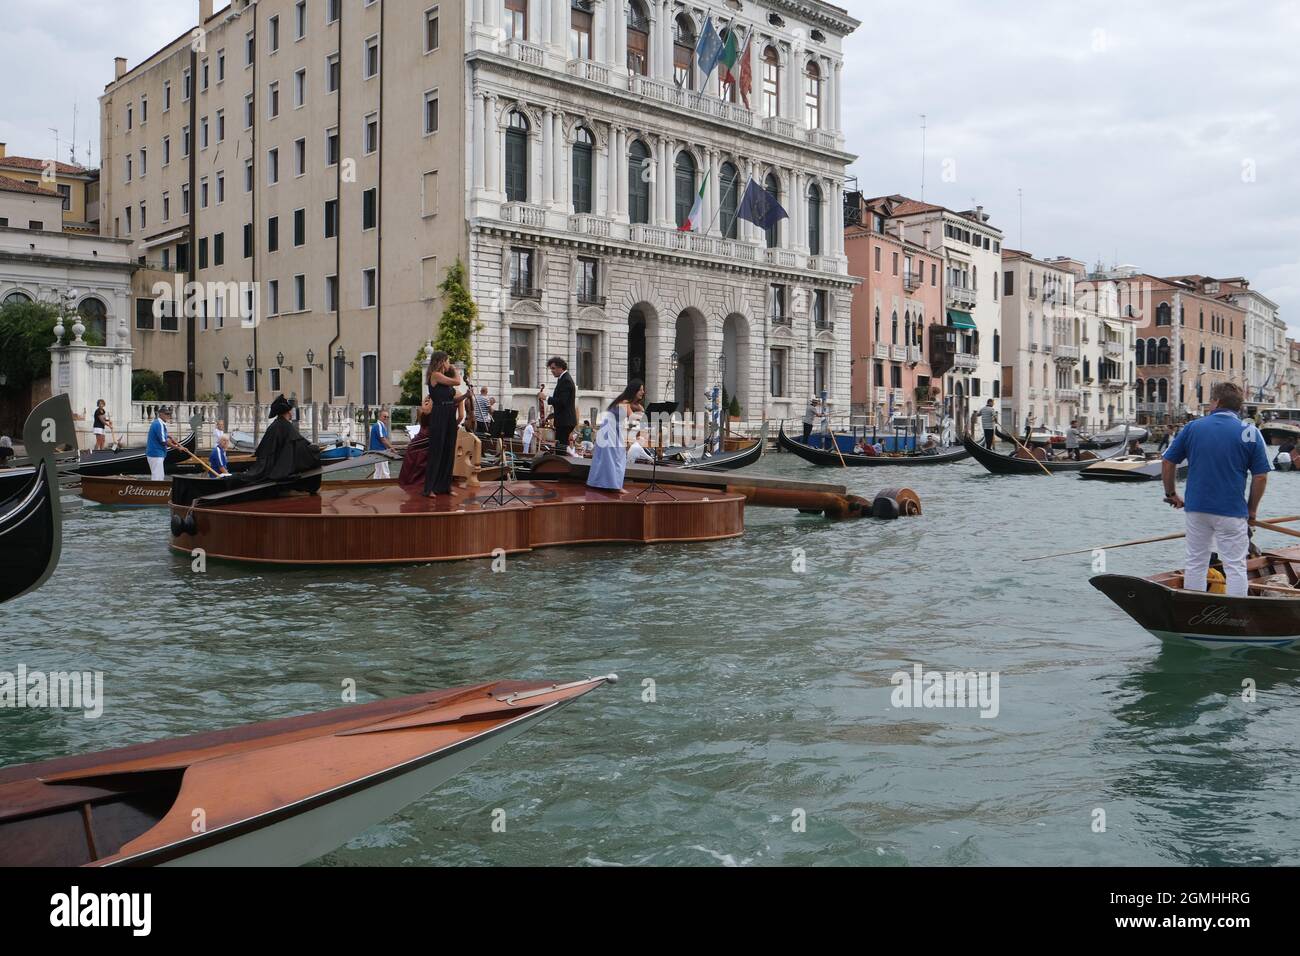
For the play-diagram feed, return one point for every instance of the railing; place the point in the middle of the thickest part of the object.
(822, 138)
(1032, 346)
(780, 125)
(1113, 348)
(898, 353)
(588, 70)
(960, 296)
(524, 214)
(527, 53)
(911, 281)
(779, 257)
(694, 242)
(1068, 395)
(672, 95)
(965, 360)
(586, 224)
(785, 320)
(585, 298)
(823, 325)
(897, 395)
(341, 420)
(882, 394)
(913, 354)
(1109, 382)
(520, 291)
(1066, 353)
(880, 351)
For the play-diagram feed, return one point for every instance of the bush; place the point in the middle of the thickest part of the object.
(146, 385)
(26, 334)
(413, 380)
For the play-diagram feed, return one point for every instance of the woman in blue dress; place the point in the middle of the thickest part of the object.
(609, 457)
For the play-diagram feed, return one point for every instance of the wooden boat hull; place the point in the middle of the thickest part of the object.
(1127, 468)
(828, 458)
(278, 793)
(119, 491)
(1000, 464)
(130, 461)
(1202, 619)
(1279, 430)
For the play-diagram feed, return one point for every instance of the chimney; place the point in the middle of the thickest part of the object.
(2, 150)
(902, 231)
(979, 213)
(205, 11)
(925, 236)
(119, 67)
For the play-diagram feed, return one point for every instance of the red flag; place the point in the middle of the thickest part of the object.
(747, 71)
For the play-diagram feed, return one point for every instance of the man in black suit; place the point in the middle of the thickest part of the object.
(563, 402)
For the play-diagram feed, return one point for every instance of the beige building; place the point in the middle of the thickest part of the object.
(76, 187)
(553, 146)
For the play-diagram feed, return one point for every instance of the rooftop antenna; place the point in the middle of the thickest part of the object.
(56, 139)
(72, 146)
(922, 157)
(1020, 198)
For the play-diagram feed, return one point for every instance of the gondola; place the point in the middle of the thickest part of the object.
(1000, 464)
(130, 461)
(1268, 617)
(30, 519)
(1128, 468)
(278, 793)
(830, 458)
(1278, 430)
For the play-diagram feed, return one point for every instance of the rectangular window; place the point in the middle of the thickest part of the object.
(221, 66)
(273, 297)
(331, 293)
(521, 358)
(299, 88)
(369, 289)
(300, 19)
(187, 86)
(521, 273)
(586, 364)
(221, 125)
(248, 175)
(203, 75)
(144, 313)
(249, 48)
(272, 166)
(273, 234)
(777, 373)
(300, 293)
(167, 95)
(369, 208)
(588, 281)
(248, 111)
(185, 199)
(65, 191)
(331, 15)
(821, 376)
(167, 207)
(430, 193)
(248, 240)
(273, 100)
(332, 73)
(185, 142)
(332, 147)
(203, 133)
(273, 34)
(167, 150)
(894, 266)
(370, 59)
(129, 166)
(275, 380)
(431, 38)
(203, 252)
(144, 109)
(430, 112)
(219, 249)
(331, 218)
(221, 187)
(299, 226)
(370, 379)
(144, 216)
(248, 379)
(370, 134)
(144, 161)
(877, 263)
(300, 157)
(203, 193)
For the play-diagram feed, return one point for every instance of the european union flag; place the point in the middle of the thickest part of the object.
(760, 207)
(709, 50)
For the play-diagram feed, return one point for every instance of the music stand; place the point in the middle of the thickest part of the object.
(504, 423)
(658, 409)
(503, 495)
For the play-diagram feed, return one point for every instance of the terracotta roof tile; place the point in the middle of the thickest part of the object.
(26, 162)
(15, 186)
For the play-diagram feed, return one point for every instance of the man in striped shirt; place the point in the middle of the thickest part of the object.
(483, 411)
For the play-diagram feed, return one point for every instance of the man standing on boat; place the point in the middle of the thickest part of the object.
(563, 401)
(379, 441)
(1220, 450)
(158, 442)
(810, 416)
(988, 419)
(1072, 440)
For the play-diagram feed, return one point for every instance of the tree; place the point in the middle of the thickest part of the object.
(146, 385)
(459, 318)
(413, 380)
(26, 334)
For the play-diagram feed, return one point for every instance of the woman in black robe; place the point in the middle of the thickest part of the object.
(442, 382)
(282, 452)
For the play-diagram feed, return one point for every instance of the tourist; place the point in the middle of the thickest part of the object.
(931, 446)
(530, 432)
(483, 411)
(1220, 450)
(442, 382)
(609, 457)
(563, 400)
(282, 452)
(1135, 448)
(6, 449)
(102, 421)
(380, 442)
(218, 461)
(988, 419)
(158, 442)
(1072, 440)
(810, 416)
(218, 432)
(585, 431)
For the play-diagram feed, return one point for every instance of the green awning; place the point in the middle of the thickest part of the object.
(960, 320)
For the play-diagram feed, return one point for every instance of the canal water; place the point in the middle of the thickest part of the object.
(754, 723)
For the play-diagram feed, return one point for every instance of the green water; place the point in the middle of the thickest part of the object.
(772, 694)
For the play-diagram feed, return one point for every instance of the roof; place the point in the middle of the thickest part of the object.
(37, 165)
(15, 186)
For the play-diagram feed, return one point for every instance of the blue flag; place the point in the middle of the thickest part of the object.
(709, 50)
(760, 207)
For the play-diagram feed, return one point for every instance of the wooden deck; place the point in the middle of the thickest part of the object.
(382, 524)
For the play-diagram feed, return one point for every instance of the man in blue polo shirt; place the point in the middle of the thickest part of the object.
(156, 445)
(379, 442)
(1220, 450)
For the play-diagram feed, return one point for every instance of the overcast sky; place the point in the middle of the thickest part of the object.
(1160, 134)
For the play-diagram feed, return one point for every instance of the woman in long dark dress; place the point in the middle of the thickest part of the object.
(442, 382)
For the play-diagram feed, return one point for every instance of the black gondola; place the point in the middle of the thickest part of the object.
(131, 461)
(30, 525)
(1000, 464)
(828, 457)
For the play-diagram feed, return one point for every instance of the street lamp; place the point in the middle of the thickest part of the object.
(225, 363)
(341, 356)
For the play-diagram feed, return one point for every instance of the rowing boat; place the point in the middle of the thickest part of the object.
(829, 457)
(278, 793)
(1000, 464)
(1269, 616)
(125, 491)
(31, 517)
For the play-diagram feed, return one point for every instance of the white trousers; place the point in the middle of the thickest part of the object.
(1230, 537)
(156, 472)
(381, 470)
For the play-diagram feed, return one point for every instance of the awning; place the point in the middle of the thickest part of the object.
(164, 239)
(1114, 326)
(960, 320)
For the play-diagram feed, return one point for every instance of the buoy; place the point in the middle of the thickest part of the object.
(884, 507)
(189, 525)
(176, 526)
(908, 501)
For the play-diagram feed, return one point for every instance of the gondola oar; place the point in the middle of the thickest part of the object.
(1271, 525)
(1046, 471)
(1165, 537)
(199, 460)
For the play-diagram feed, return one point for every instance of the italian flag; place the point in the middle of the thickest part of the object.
(696, 218)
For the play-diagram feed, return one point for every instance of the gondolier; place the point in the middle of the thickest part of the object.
(810, 416)
(988, 419)
(1221, 450)
(379, 442)
(158, 443)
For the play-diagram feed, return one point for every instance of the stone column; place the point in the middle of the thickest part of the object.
(479, 144)
(620, 36)
(541, 9)
(620, 173)
(492, 12)
(713, 198)
(548, 158)
(563, 181)
(600, 175)
(492, 136)
(837, 122)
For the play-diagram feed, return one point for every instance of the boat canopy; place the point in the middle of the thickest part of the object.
(960, 320)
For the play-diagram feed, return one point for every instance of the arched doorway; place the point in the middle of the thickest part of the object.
(692, 363)
(94, 315)
(642, 350)
(735, 349)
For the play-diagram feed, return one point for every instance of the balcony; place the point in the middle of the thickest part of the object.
(783, 258)
(822, 138)
(1031, 394)
(968, 361)
(1032, 346)
(898, 353)
(523, 214)
(670, 94)
(590, 298)
(897, 395)
(1113, 384)
(1068, 395)
(880, 351)
(911, 281)
(518, 290)
(1066, 354)
(823, 325)
(961, 298)
(1113, 348)
(780, 126)
(781, 320)
(589, 71)
(926, 394)
(585, 224)
(913, 354)
(881, 394)
(528, 53)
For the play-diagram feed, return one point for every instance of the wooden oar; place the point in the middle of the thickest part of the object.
(199, 460)
(1165, 537)
(1047, 471)
(1271, 525)
(835, 440)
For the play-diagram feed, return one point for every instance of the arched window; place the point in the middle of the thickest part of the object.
(1164, 315)
(684, 44)
(1141, 391)
(814, 219)
(16, 298)
(1162, 395)
(876, 337)
(684, 186)
(1153, 357)
(1162, 352)
(638, 182)
(638, 38)
(94, 315)
(907, 328)
(1140, 352)
(773, 232)
(583, 147)
(771, 82)
(517, 157)
(812, 96)
(893, 328)
(728, 199)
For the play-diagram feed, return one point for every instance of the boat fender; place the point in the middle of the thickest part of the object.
(885, 507)
(859, 507)
(176, 526)
(908, 501)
